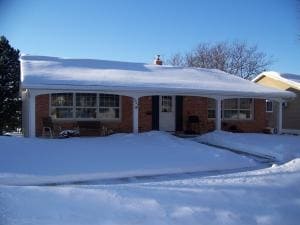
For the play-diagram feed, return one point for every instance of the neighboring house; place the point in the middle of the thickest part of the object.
(291, 110)
(136, 97)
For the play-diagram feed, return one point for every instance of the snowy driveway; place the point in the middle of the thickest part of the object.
(280, 147)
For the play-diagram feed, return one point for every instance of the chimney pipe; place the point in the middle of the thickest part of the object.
(158, 61)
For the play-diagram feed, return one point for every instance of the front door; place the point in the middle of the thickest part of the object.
(167, 113)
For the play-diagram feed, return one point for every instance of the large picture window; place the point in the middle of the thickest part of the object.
(233, 109)
(238, 109)
(85, 106)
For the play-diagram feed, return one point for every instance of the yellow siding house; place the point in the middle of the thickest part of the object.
(291, 109)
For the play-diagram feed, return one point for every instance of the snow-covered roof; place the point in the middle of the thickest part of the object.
(43, 72)
(288, 78)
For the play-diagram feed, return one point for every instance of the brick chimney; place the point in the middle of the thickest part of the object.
(158, 61)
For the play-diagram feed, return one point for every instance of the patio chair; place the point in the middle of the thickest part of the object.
(48, 127)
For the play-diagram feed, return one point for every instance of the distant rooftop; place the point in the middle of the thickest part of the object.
(292, 79)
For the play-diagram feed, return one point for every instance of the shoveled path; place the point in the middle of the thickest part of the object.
(258, 157)
(155, 177)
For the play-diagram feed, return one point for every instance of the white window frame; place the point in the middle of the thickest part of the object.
(238, 109)
(83, 107)
(61, 107)
(163, 104)
(74, 118)
(113, 107)
(272, 106)
(212, 109)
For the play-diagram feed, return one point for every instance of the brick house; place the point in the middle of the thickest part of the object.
(137, 97)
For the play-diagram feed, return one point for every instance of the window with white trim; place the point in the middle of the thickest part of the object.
(232, 109)
(61, 105)
(269, 106)
(238, 109)
(84, 106)
(166, 103)
(109, 106)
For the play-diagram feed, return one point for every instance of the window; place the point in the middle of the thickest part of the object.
(211, 106)
(166, 103)
(269, 106)
(238, 109)
(109, 106)
(62, 105)
(84, 106)
(232, 109)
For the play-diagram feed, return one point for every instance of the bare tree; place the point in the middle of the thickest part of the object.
(177, 60)
(237, 58)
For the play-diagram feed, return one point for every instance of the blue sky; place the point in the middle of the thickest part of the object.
(137, 30)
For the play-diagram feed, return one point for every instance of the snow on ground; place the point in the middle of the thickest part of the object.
(282, 147)
(267, 196)
(36, 160)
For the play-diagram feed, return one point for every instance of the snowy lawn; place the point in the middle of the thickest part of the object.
(282, 147)
(268, 196)
(36, 161)
(265, 196)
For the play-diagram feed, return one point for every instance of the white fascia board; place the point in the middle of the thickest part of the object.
(139, 92)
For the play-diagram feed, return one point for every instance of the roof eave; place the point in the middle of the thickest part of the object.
(144, 91)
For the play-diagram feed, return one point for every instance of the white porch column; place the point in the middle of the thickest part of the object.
(31, 114)
(135, 120)
(279, 117)
(218, 120)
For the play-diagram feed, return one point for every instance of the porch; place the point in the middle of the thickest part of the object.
(173, 113)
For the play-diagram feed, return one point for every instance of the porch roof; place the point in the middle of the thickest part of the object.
(53, 73)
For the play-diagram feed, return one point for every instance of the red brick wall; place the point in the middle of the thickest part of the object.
(195, 106)
(191, 106)
(145, 113)
(41, 110)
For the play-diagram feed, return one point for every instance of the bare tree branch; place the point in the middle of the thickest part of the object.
(176, 60)
(237, 58)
